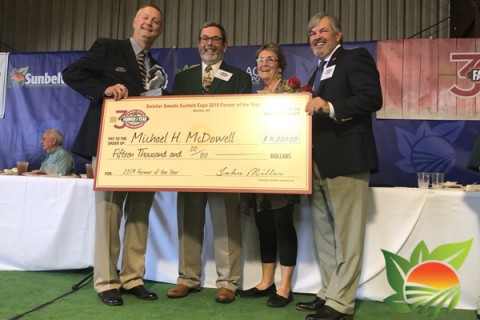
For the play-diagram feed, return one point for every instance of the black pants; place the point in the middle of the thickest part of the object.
(276, 230)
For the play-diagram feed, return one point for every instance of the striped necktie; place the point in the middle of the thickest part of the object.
(207, 78)
(141, 67)
(318, 75)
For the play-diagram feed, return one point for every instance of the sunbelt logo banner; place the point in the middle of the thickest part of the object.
(428, 281)
(20, 77)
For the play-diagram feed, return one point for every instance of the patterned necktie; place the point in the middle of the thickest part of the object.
(318, 75)
(207, 79)
(141, 67)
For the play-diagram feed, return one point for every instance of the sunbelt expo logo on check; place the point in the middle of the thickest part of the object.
(428, 281)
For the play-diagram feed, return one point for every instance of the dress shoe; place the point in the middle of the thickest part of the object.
(225, 295)
(141, 292)
(257, 293)
(328, 313)
(111, 297)
(277, 301)
(310, 306)
(180, 291)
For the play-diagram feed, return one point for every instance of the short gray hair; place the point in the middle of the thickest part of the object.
(336, 25)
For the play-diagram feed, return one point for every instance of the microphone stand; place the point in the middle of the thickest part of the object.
(80, 284)
(75, 288)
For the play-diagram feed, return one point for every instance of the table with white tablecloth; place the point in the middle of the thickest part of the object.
(48, 224)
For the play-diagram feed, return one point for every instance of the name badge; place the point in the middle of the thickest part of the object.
(328, 73)
(222, 75)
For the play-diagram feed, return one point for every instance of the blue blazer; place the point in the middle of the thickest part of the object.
(106, 63)
(474, 161)
(346, 145)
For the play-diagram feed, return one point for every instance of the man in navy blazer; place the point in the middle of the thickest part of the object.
(224, 207)
(346, 92)
(474, 161)
(110, 69)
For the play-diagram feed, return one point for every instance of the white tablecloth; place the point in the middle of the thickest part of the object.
(48, 224)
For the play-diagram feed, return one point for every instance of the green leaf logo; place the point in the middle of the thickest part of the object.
(186, 67)
(428, 281)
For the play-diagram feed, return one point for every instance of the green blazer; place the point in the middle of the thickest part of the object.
(189, 82)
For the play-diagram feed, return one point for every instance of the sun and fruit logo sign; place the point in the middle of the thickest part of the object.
(428, 281)
(17, 77)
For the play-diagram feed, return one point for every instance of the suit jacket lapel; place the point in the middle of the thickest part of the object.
(197, 84)
(322, 82)
(133, 64)
(217, 83)
(331, 62)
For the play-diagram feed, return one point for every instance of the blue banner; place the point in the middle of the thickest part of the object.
(37, 99)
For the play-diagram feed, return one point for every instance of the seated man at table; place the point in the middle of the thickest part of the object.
(62, 160)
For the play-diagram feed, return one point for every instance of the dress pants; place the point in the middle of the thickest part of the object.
(338, 207)
(226, 223)
(110, 207)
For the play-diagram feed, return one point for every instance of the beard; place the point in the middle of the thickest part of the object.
(210, 54)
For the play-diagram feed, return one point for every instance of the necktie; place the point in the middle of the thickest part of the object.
(318, 75)
(207, 79)
(141, 67)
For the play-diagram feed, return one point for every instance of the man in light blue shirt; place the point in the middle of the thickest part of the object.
(52, 141)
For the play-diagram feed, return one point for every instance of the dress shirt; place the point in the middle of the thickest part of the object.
(62, 158)
(215, 68)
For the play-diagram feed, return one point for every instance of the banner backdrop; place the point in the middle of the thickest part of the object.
(3, 81)
(36, 99)
(435, 79)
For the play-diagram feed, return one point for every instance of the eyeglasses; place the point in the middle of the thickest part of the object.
(267, 60)
(205, 39)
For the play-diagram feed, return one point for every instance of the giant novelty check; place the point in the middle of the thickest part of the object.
(222, 143)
